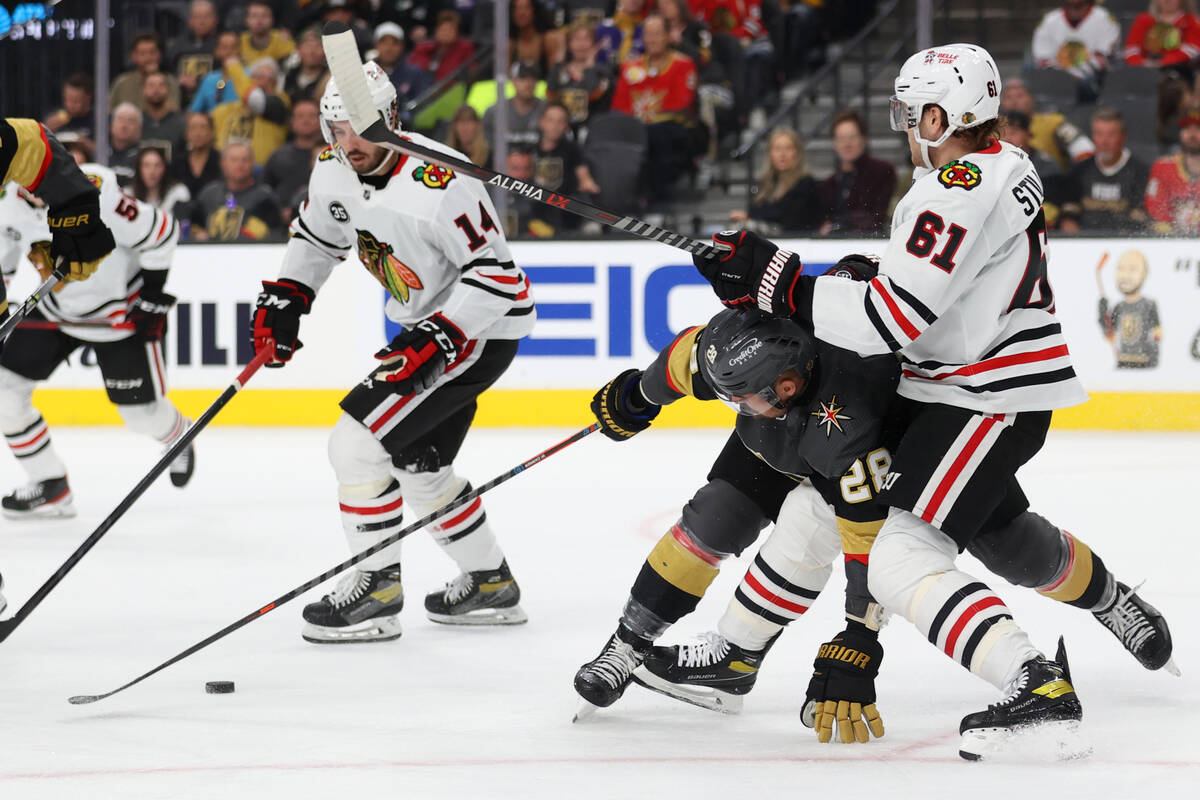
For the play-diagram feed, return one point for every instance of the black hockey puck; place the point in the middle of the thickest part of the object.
(219, 687)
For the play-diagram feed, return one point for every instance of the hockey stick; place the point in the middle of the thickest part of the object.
(7, 626)
(347, 68)
(329, 573)
(52, 325)
(11, 323)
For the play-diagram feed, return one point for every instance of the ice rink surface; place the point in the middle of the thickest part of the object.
(449, 712)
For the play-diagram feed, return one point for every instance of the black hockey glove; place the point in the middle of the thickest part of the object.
(856, 267)
(842, 687)
(277, 318)
(79, 236)
(418, 356)
(754, 273)
(621, 408)
(149, 314)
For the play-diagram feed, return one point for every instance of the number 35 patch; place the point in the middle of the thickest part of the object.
(961, 174)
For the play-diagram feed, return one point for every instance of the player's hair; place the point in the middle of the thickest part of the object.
(773, 184)
(478, 149)
(1109, 114)
(80, 80)
(146, 36)
(978, 136)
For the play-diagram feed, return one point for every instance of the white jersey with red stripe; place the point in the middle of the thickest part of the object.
(962, 294)
(429, 236)
(145, 239)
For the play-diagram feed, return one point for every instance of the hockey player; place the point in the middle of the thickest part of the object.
(963, 299)
(429, 236)
(120, 313)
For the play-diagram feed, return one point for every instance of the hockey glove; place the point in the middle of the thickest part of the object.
(149, 314)
(842, 688)
(856, 267)
(754, 273)
(418, 356)
(79, 237)
(621, 408)
(277, 318)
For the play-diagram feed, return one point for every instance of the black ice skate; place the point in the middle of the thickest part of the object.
(1141, 629)
(44, 499)
(1041, 708)
(183, 466)
(712, 673)
(364, 607)
(602, 681)
(486, 597)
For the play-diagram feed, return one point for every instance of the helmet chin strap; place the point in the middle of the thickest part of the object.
(926, 144)
(385, 164)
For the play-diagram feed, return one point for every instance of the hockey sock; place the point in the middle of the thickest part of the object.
(34, 451)
(370, 513)
(670, 584)
(465, 535)
(160, 420)
(1082, 581)
(774, 591)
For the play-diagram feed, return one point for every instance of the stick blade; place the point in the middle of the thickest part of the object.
(341, 51)
(84, 699)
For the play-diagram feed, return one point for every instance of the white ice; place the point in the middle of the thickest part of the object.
(448, 712)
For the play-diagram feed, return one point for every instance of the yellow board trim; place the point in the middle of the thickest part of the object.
(681, 568)
(1146, 411)
(857, 537)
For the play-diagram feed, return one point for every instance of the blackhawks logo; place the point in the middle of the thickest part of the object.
(381, 262)
(95, 180)
(962, 174)
(327, 154)
(433, 176)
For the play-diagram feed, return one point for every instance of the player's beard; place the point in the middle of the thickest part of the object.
(367, 165)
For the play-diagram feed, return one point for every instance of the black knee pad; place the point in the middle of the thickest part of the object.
(1028, 551)
(723, 519)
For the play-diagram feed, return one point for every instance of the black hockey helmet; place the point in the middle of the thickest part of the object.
(743, 352)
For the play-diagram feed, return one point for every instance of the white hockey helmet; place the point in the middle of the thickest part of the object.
(960, 78)
(383, 93)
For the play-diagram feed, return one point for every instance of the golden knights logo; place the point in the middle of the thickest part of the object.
(433, 176)
(831, 415)
(380, 261)
(962, 174)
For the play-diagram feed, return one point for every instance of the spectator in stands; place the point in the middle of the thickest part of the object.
(200, 164)
(1016, 131)
(742, 20)
(409, 80)
(620, 36)
(124, 134)
(1167, 37)
(447, 51)
(1108, 189)
(306, 80)
(262, 39)
(153, 183)
(659, 88)
(856, 196)
(532, 38)
(347, 13)
(216, 87)
(236, 207)
(524, 109)
(261, 116)
(466, 136)
(288, 167)
(519, 219)
(191, 54)
(579, 82)
(786, 199)
(558, 165)
(1079, 38)
(162, 123)
(75, 115)
(1050, 132)
(718, 67)
(1173, 191)
(146, 55)
(798, 35)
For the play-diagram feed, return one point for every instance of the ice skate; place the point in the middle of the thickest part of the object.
(44, 499)
(183, 466)
(602, 681)
(364, 607)
(1141, 629)
(712, 673)
(1039, 717)
(3, 602)
(485, 597)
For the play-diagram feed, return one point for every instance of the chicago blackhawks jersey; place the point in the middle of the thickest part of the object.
(145, 238)
(962, 294)
(426, 233)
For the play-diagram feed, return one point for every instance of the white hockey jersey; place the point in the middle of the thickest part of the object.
(1098, 32)
(962, 294)
(145, 238)
(429, 236)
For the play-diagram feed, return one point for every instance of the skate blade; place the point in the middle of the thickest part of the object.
(1049, 741)
(383, 629)
(56, 511)
(712, 699)
(483, 616)
(585, 711)
(1172, 667)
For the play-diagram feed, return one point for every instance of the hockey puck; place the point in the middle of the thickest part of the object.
(219, 687)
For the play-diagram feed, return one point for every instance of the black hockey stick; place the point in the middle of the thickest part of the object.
(329, 573)
(7, 626)
(13, 321)
(341, 52)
